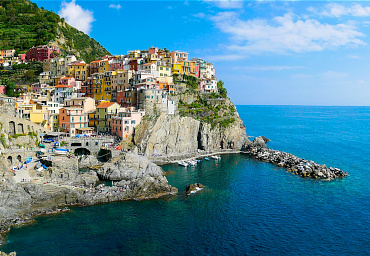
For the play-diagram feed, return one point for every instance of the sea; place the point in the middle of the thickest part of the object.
(248, 207)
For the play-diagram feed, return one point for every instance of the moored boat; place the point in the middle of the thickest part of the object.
(61, 151)
(181, 163)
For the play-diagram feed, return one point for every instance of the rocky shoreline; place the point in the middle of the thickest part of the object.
(133, 177)
(294, 164)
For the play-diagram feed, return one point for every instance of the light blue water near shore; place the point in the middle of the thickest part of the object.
(249, 207)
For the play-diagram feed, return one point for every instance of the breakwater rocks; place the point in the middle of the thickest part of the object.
(294, 164)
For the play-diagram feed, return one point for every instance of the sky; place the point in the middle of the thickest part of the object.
(266, 52)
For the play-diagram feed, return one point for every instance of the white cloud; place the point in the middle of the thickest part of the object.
(353, 56)
(115, 6)
(199, 15)
(76, 16)
(227, 4)
(338, 10)
(284, 34)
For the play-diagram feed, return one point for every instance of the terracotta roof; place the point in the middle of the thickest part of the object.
(95, 61)
(147, 64)
(105, 105)
(63, 86)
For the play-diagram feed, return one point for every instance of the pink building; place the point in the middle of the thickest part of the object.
(116, 65)
(153, 50)
(123, 125)
(22, 57)
(2, 89)
(68, 80)
(41, 53)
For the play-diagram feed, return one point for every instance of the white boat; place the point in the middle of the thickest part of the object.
(61, 151)
(216, 157)
(181, 163)
(192, 162)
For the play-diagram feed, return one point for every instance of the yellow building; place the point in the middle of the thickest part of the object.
(103, 66)
(107, 86)
(133, 54)
(98, 81)
(176, 68)
(80, 71)
(92, 118)
(163, 70)
(104, 113)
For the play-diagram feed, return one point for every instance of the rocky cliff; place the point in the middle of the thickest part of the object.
(175, 134)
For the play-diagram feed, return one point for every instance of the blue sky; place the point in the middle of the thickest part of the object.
(268, 53)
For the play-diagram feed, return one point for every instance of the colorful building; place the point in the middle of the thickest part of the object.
(178, 56)
(41, 53)
(104, 113)
(123, 125)
(73, 118)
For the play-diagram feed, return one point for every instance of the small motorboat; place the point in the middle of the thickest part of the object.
(192, 162)
(206, 158)
(61, 151)
(216, 157)
(181, 163)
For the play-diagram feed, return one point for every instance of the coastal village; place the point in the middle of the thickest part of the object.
(106, 96)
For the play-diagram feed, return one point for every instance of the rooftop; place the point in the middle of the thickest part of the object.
(105, 105)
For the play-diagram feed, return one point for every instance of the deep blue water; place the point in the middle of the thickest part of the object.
(248, 207)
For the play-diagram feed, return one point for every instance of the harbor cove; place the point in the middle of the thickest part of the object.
(247, 206)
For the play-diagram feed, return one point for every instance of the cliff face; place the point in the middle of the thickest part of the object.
(173, 134)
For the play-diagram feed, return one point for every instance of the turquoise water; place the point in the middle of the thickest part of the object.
(248, 207)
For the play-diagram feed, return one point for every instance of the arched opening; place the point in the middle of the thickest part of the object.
(28, 128)
(76, 144)
(19, 158)
(104, 155)
(20, 128)
(11, 128)
(87, 144)
(10, 159)
(82, 151)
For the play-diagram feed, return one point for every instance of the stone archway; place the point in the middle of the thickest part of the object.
(11, 128)
(104, 155)
(19, 158)
(82, 151)
(20, 128)
(10, 159)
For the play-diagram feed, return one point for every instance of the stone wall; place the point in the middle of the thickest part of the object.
(13, 125)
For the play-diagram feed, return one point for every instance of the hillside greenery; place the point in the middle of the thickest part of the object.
(23, 25)
(210, 108)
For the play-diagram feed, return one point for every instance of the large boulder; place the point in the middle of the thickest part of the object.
(259, 142)
(144, 178)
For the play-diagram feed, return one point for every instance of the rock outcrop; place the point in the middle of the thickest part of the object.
(193, 188)
(173, 134)
(142, 177)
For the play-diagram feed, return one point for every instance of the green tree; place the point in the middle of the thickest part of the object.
(221, 89)
(11, 89)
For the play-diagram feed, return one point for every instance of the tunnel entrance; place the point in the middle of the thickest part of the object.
(82, 151)
(104, 155)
